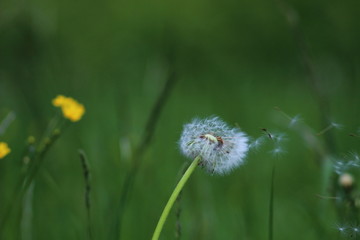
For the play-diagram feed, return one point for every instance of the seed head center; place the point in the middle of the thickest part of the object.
(211, 138)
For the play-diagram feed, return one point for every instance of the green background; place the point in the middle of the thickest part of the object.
(234, 59)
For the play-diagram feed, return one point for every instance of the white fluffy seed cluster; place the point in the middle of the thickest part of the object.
(220, 147)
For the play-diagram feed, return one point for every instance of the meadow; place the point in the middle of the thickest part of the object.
(103, 165)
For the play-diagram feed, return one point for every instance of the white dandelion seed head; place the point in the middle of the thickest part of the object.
(220, 147)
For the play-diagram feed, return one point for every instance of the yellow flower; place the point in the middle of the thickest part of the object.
(59, 100)
(4, 149)
(70, 108)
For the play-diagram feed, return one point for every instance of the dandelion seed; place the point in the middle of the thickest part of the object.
(266, 132)
(349, 161)
(343, 229)
(279, 137)
(255, 144)
(336, 125)
(277, 151)
(71, 109)
(220, 147)
(4, 149)
(294, 120)
(331, 126)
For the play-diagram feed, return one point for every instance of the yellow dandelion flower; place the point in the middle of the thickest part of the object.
(4, 149)
(70, 108)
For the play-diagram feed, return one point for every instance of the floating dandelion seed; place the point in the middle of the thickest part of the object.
(351, 160)
(277, 151)
(336, 125)
(255, 144)
(331, 126)
(294, 120)
(220, 147)
(279, 137)
(70, 108)
(356, 230)
(4, 149)
(344, 230)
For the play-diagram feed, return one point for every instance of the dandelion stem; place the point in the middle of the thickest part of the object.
(173, 198)
(178, 203)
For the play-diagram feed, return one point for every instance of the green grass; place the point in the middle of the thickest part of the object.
(237, 60)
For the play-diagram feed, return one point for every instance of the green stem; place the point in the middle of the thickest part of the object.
(173, 197)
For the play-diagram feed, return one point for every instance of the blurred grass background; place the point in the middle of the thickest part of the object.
(234, 59)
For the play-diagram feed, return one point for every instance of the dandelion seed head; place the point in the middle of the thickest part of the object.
(220, 147)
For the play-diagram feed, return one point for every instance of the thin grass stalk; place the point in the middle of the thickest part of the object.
(148, 134)
(29, 176)
(87, 187)
(317, 86)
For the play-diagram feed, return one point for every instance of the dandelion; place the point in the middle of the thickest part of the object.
(211, 144)
(4, 149)
(70, 108)
(220, 147)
